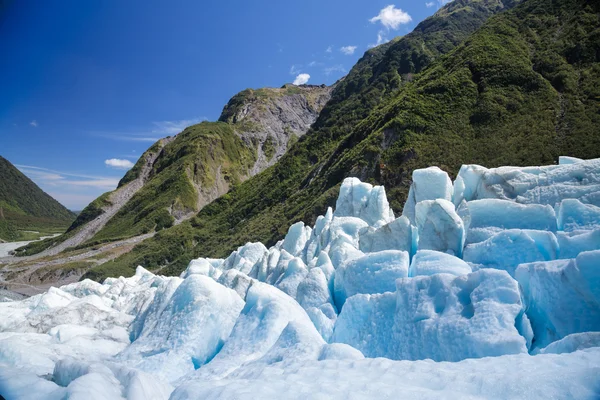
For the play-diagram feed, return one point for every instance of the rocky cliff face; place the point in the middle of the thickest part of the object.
(271, 120)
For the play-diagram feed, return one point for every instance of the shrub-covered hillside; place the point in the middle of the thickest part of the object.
(25, 207)
(300, 186)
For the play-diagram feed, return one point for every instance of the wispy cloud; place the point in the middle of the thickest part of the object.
(295, 69)
(118, 163)
(130, 156)
(174, 127)
(157, 131)
(128, 137)
(301, 79)
(381, 39)
(391, 17)
(440, 3)
(329, 49)
(34, 123)
(22, 167)
(73, 190)
(334, 68)
(49, 177)
(348, 50)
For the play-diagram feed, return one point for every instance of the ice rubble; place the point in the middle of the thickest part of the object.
(502, 264)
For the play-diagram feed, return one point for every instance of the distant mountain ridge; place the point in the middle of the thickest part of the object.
(179, 175)
(24, 206)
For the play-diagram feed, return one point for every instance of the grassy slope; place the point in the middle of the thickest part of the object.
(263, 207)
(26, 207)
(198, 154)
(521, 91)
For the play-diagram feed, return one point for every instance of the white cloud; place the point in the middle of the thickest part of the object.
(160, 130)
(295, 69)
(391, 17)
(129, 137)
(381, 39)
(74, 190)
(334, 68)
(301, 79)
(348, 50)
(27, 168)
(50, 178)
(118, 163)
(132, 156)
(34, 123)
(107, 184)
(440, 3)
(174, 127)
(329, 49)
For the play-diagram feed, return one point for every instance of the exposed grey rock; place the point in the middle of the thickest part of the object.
(273, 119)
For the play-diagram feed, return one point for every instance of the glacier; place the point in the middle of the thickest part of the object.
(487, 286)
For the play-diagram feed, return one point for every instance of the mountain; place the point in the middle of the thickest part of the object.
(179, 175)
(26, 207)
(300, 185)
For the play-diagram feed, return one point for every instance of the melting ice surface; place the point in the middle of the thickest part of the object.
(485, 287)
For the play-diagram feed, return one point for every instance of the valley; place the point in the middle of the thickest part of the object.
(425, 226)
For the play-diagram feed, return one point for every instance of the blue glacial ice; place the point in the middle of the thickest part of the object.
(485, 287)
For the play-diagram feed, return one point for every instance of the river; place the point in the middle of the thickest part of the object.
(6, 248)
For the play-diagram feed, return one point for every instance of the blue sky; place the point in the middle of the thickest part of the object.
(87, 86)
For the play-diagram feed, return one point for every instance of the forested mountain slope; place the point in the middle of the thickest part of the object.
(26, 207)
(304, 181)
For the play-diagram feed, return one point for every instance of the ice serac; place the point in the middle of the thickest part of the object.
(264, 323)
(430, 262)
(573, 342)
(571, 245)
(189, 332)
(530, 185)
(439, 226)
(245, 257)
(362, 200)
(427, 184)
(396, 235)
(262, 320)
(296, 238)
(489, 216)
(566, 160)
(294, 274)
(573, 215)
(442, 317)
(562, 297)
(372, 273)
(509, 248)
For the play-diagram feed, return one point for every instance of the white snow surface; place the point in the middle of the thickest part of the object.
(486, 287)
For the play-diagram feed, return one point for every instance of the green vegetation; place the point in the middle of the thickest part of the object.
(134, 172)
(91, 212)
(199, 156)
(268, 147)
(303, 183)
(26, 212)
(51, 272)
